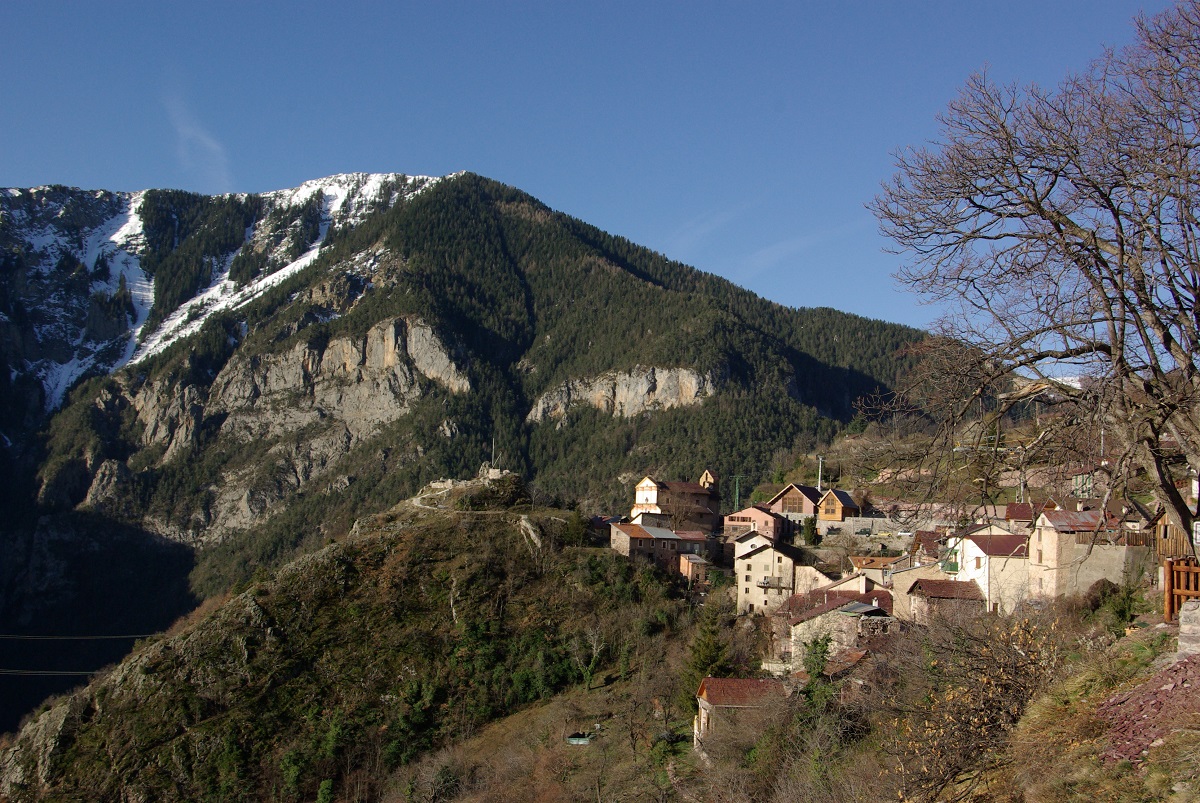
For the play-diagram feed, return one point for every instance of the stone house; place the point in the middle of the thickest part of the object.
(928, 597)
(904, 579)
(1020, 516)
(631, 540)
(848, 617)
(721, 701)
(877, 568)
(660, 546)
(926, 547)
(766, 573)
(677, 505)
(1071, 550)
(694, 568)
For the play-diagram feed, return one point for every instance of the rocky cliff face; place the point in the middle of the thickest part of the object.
(360, 382)
(312, 404)
(625, 394)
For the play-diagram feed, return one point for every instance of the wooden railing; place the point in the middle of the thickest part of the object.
(1181, 582)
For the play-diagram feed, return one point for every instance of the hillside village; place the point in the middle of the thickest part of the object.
(824, 569)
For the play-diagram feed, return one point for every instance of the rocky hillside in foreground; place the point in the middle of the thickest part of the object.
(411, 633)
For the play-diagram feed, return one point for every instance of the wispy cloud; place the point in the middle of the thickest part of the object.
(692, 235)
(201, 155)
(771, 256)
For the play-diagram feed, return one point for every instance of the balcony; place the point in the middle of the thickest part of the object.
(772, 582)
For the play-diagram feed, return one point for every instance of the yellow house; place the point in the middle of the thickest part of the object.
(837, 506)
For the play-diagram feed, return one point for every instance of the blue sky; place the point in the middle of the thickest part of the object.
(741, 138)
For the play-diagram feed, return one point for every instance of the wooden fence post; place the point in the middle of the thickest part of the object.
(1168, 589)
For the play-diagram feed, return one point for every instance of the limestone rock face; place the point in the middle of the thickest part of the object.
(339, 393)
(361, 382)
(110, 479)
(625, 394)
(169, 417)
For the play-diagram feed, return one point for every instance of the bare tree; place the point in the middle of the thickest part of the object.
(1060, 228)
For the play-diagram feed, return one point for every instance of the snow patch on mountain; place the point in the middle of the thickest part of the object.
(347, 198)
(116, 241)
(44, 220)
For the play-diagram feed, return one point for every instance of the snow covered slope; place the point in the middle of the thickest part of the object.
(78, 297)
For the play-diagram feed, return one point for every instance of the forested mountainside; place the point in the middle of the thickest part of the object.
(248, 375)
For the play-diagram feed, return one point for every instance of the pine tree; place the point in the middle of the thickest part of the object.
(809, 531)
(709, 658)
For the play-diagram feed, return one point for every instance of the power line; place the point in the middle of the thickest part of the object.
(73, 638)
(42, 673)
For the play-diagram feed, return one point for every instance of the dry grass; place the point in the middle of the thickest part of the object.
(1055, 750)
(525, 757)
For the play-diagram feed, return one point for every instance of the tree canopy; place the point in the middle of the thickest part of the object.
(1059, 227)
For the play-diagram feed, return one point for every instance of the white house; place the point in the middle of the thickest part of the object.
(995, 559)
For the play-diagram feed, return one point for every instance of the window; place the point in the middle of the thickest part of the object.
(1039, 556)
(978, 563)
(779, 560)
(747, 578)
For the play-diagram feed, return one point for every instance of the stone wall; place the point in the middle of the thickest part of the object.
(1189, 628)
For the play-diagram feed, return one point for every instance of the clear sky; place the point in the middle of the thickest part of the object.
(742, 138)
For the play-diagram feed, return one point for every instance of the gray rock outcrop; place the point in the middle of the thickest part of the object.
(361, 382)
(1189, 628)
(624, 394)
(337, 394)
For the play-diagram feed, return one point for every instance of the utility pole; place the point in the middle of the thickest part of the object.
(737, 491)
(820, 469)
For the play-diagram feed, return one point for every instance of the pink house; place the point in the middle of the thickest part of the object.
(759, 519)
(795, 502)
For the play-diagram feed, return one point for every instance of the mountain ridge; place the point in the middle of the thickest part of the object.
(410, 339)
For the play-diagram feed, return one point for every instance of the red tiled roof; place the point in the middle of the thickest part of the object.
(633, 530)
(1027, 511)
(927, 540)
(803, 607)
(740, 692)
(946, 589)
(1001, 546)
(691, 535)
(836, 665)
(1018, 511)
